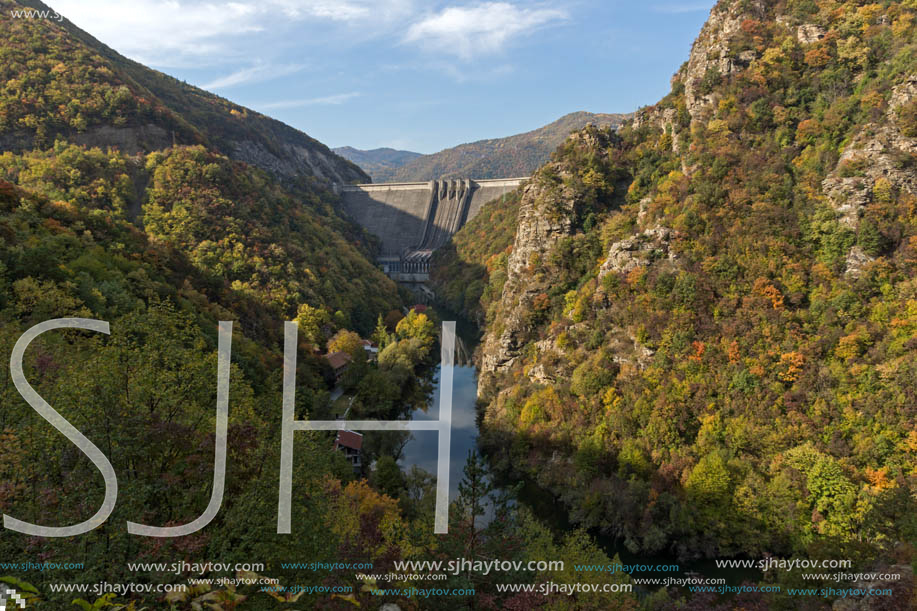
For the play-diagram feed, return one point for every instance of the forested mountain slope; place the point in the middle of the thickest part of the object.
(58, 81)
(378, 163)
(702, 336)
(171, 159)
(162, 236)
(124, 199)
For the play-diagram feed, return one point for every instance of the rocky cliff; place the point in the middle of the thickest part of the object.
(552, 206)
(705, 311)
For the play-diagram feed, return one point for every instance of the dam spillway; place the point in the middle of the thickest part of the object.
(413, 219)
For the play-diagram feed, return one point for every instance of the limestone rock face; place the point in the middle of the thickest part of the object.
(874, 154)
(711, 52)
(546, 214)
(663, 118)
(856, 261)
(809, 33)
(543, 219)
(847, 195)
(551, 365)
(637, 250)
(296, 160)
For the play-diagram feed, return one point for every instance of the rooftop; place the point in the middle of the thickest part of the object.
(338, 359)
(349, 439)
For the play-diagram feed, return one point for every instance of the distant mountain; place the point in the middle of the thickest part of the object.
(377, 162)
(518, 155)
(92, 95)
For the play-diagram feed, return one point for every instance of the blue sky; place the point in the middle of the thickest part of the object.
(415, 75)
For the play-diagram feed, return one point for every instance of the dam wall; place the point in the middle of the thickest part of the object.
(396, 213)
(412, 218)
(488, 190)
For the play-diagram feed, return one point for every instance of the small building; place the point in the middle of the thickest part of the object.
(372, 351)
(339, 362)
(351, 444)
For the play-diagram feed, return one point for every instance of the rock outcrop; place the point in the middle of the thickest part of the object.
(711, 53)
(641, 249)
(874, 154)
(546, 214)
(296, 160)
(537, 232)
(856, 261)
(809, 33)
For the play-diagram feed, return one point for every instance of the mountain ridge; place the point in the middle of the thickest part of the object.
(376, 162)
(155, 111)
(516, 155)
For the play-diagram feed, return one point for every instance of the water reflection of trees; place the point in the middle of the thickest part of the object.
(390, 394)
(398, 385)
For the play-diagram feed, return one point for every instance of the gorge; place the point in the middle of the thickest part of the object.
(699, 328)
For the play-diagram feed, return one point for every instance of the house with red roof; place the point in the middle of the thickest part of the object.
(351, 444)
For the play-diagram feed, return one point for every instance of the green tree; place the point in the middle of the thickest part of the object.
(416, 326)
(388, 478)
(312, 323)
(474, 495)
(346, 341)
(709, 480)
(380, 334)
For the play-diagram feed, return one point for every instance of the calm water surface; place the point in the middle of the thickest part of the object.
(422, 450)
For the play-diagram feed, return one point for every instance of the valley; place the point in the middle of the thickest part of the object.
(687, 334)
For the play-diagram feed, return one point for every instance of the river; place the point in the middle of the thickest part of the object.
(422, 449)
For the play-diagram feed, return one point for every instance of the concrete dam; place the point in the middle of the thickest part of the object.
(412, 219)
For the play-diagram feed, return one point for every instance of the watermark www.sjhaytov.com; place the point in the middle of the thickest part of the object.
(32, 14)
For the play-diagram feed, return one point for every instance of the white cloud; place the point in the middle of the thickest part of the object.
(344, 10)
(164, 33)
(336, 10)
(467, 31)
(254, 74)
(195, 32)
(339, 98)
